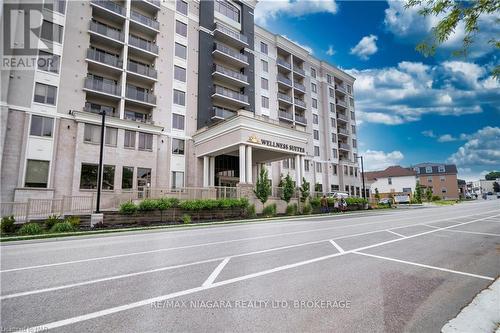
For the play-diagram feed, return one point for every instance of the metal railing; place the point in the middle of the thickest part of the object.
(340, 88)
(299, 86)
(231, 94)
(231, 33)
(230, 52)
(340, 102)
(153, 2)
(90, 107)
(228, 72)
(344, 146)
(300, 119)
(342, 117)
(139, 95)
(142, 69)
(284, 79)
(104, 30)
(220, 113)
(283, 63)
(300, 102)
(276, 192)
(285, 97)
(110, 5)
(299, 70)
(135, 16)
(143, 44)
(104, 58)
(285, 115)
(343, 131)
(102, 86)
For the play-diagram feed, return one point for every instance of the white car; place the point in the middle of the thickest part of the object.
(338, 195)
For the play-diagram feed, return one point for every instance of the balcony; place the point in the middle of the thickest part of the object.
(102, 87)
(230, 97)
(342, 117)
(300, 119)
(299, 86)
(341, 103)
(98, 109)
(221, 114)
(300, 71)
(288, 116)
(344, 146)
(139, 95)
(284, 80)
(285, 98)
(300, 103)
(138, 117)
(155, 3)
(229, 76)
(104, 58)
(144, 21)
(284, 64)
(101, 30)
(343, 131)
(340, 88)
(142, 70)
(230, 36)
(143, 44)
(229, 55)
(109, 7)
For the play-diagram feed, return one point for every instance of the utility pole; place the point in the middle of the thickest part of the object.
(363, 176)
(100, 168)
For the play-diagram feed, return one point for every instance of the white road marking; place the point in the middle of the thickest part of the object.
(431, 226)
(395, 233)
(210, 280)
(341, 250)
(474, 232)
(129, 306)
(426, 266)
(210, 243)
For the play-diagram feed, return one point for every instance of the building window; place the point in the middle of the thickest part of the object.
(428, 169)
(443, 190)
(92, 133)
(334, 154)
(180, 51)
(129, 139)
(143, 178)
(353, 117)
(265, 102)
(51, 32)
(179, 97)
(181, 28)
(41, 126)
(265, 66)
(329, 78)
(332, 107)
(315, 119)
(417, 169)
(228, 10)
(127, 177)
(334, 169)
(286, 164)
(48, 62)
(145, 141)
(88, 177)
(292, 163)
(314, 88)
(351, 102)
(306, 165)
(45, 93)
(441, 168)
(354, 143)
(177, 179)
(333, 122)
(313, 72)
(263, 47)
(177, 121)
(319, 167)
(37, 173)
(406, 189)
(179, 74)
(55, 5)
(177, 146)
(351, 171)
(331, 93)
(349, 89)
(389, 181)
(316, 151)
(264, 83)
(334, 137)
(314, 103)
(429, 179)
(182, 7)
(111, 136)
(316, 134)
(355, 172)
(442, 178)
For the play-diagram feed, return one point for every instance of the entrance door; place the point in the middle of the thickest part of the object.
(228, 181)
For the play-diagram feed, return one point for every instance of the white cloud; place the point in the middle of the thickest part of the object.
(270, 9)
(305, 47)
(366, 47)
(446, 138)
(379, 160)
(429, 133)
(330, 50)
(378, 117)
(480, 150)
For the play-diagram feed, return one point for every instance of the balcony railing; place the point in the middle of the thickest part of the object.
(228, 72)
(343, 117)
(110, 5)
(231, 94)
(142, 69)
(104, 58)
(135, 16)
(137, 116)
(230, 52)
(340, 102)
(143, 44)
(299, 70)
(285, 80)
(343, 131)
(221, 113)
(97, 108)
(102, 86)
(106, 31)
(340, 88)
(139, 95)
(300, 119)
(231, 33)
(285, 115)
(283, 63)
(300, 102)
(299, 86)
(154, 2)
(344, 146)
(285, 97)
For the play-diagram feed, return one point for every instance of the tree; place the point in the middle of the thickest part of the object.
(262, 186)
(492, 175)
(304, 190)
(418, 193)
(452, 13)
(428, 194)
(287, 188)
(496, 187)
(377, 194)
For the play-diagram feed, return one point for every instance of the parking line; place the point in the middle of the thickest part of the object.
(341, 250)
(395, 233)
(426, 266)
(473, 232)
(210, 280)
(149, 301)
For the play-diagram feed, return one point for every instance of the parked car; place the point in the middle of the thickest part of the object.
(385, 201)
(338, 195)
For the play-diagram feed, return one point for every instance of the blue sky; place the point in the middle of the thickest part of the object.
(410, 109)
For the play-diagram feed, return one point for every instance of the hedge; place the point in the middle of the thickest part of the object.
(191, 205)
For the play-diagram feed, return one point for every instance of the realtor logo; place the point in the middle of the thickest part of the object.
(254, 139)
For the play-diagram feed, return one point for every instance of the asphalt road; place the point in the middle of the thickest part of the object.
(408, 270)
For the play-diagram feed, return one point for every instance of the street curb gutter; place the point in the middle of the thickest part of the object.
(482, 315)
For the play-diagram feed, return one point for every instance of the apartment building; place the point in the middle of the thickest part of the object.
(195, 95)
(442, 178)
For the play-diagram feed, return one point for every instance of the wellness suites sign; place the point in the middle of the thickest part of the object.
(274, 144)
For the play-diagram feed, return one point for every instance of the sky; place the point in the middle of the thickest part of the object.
(410, 108)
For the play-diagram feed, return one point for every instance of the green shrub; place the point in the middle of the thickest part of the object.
(62, 227)
(307, 209)
(436, 198)
(208, 204)
(251, 211)
(315, 202)
(51, 220)
(74, 221)
(128, 208)
(269, 210)
(30, 229)
(186, 219)
(147, 205)
(291, 209)
(355, 201)
(8, 224)
(166, 203)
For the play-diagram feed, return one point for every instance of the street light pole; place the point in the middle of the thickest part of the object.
(99, 170)
(363, 176)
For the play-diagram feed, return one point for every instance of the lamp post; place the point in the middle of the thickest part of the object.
(363, 176)
(99, 170)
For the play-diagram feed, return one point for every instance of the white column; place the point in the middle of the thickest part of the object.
(205, 171)
(249, 172)
(302, 168)
(242, 164)
(298, 171)
(211, 172)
